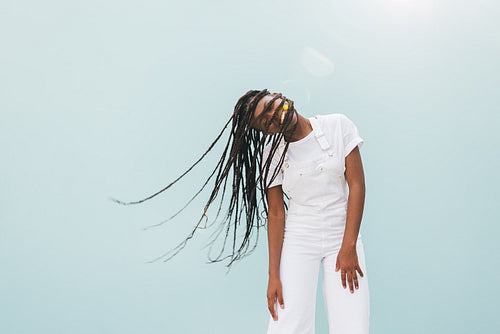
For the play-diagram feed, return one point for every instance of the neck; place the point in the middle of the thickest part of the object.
(303, 129)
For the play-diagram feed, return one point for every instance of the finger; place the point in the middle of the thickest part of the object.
(270, 306)
(360, 271)
(355, 278)
(273, 311)
(349, 280)
(280, 298)
(342, 276)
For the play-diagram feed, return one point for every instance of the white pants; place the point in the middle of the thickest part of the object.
(305, 246)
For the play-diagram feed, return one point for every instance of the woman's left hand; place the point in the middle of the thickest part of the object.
(347, 262)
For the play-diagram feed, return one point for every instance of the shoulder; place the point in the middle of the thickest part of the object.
(332, 117)
(331, 120)
(279, 144)
(267, 149)
(336, 119)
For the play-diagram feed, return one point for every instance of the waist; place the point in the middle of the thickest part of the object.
(321, 209)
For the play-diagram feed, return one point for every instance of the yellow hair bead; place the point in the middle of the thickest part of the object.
(285, 106)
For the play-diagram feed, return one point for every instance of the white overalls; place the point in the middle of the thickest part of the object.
(314, 228)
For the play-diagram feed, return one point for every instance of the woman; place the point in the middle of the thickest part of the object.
(320, 226)
(276, 150)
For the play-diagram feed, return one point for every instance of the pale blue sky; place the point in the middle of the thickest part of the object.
(118, 98)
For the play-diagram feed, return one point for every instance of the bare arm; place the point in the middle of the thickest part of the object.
(355, 203)
(347, 258)
(275, 228)
(275, 233)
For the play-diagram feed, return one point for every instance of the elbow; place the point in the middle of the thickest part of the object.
(275, 216)
(358, 186)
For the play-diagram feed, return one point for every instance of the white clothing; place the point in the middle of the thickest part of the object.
(340, 131)
(314, 230)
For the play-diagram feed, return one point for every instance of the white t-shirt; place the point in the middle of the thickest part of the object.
(341, 134)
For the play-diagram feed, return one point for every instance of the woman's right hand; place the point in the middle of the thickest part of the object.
(274, 291)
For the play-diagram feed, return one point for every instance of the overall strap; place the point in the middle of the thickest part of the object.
(318, 133)
(320, 136)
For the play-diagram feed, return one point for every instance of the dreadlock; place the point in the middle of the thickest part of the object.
(245, 148)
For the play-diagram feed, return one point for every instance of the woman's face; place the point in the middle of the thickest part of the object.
(260, 123)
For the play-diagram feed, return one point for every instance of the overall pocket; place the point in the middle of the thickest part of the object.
(333, 183)
(303, 182)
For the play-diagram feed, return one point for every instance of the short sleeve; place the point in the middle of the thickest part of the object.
(274, 163)
(350, 135)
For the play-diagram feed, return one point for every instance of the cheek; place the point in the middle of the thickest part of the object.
(293, 117)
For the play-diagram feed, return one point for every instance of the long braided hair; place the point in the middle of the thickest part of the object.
(245, 148)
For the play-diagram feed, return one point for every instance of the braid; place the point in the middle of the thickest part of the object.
(244, 152)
